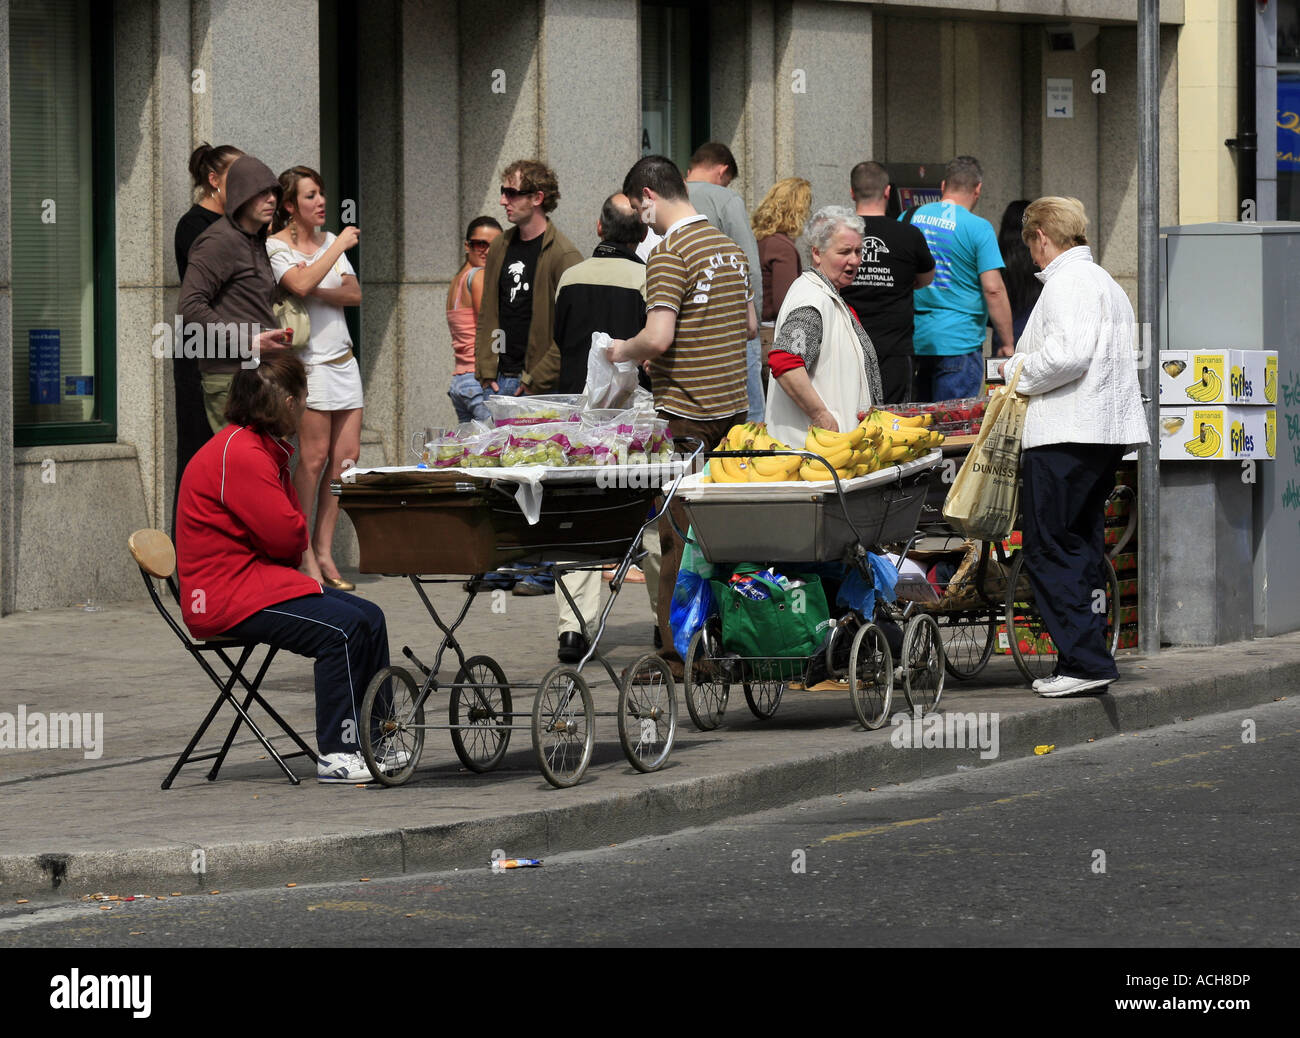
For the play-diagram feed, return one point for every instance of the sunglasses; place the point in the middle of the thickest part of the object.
(478, 243)
(513, 192)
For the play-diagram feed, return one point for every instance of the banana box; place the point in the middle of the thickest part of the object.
(1217, 433)
(1191, 377)
(1252, 377)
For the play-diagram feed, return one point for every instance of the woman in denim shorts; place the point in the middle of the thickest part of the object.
(463, 299)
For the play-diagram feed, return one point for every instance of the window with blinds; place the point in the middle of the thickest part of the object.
(52, 164)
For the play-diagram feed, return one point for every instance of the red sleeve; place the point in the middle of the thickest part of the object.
(780, 362)
(268, 509)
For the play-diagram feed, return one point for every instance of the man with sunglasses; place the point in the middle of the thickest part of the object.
(515, 351)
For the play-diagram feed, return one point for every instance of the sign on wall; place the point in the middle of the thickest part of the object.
(1060, 99)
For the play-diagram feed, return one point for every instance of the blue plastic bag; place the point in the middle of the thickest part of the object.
(692, 602)
(855, 593)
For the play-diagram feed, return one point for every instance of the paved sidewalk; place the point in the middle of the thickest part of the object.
(72, 825)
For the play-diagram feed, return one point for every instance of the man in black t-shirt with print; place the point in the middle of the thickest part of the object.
(895, 261)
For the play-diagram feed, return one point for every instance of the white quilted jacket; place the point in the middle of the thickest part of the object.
(1076, 358)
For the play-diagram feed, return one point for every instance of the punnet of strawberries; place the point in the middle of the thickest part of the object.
(951, 417)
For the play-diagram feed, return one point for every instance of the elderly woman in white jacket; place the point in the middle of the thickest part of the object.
(824, 370)
(1076, 364)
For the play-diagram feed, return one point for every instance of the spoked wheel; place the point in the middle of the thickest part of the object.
(564, 726)
(647, 713)
(480, 698)
(392, 720)
(763, 695)
(707, 686)
(968, 646)
(923, 664)
(1031, 646)
(871, 676)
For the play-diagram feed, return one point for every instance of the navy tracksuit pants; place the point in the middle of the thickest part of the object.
(347, 637)
(1063, 502)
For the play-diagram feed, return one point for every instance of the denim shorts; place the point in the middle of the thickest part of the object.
(468, 397)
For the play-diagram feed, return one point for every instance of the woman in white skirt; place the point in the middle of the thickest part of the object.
(309, 262)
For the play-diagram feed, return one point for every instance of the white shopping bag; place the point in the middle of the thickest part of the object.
(608, 384)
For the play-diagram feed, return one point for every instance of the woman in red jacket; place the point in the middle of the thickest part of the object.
(241, 534)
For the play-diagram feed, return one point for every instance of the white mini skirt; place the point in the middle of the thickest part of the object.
(334, 387)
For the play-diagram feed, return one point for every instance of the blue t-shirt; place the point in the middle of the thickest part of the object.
(951, 314)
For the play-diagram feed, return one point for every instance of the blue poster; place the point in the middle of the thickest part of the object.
(1288, 125)
(43, 365)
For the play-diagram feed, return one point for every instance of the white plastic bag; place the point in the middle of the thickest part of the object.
(608, 384)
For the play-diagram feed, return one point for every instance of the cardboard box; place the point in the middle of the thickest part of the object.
(1218, 377)
(1252, 377)
(1217, 433)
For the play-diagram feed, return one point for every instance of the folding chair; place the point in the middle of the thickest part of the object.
(154, 554)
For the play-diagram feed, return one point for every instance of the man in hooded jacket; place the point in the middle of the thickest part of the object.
(229, 288)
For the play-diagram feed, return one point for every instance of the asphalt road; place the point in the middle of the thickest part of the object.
(1181, 836)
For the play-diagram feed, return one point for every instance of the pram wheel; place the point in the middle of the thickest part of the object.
(764, 695)
(647, 713)
(968, 646)
(923, 663)
(564, 731)
(392, 732)
(707, 685)
(871, 676)
(480, 698)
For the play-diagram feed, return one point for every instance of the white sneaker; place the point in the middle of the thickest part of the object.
(1040, 682)
(1063, 685)
(343, 767)
(394, 758)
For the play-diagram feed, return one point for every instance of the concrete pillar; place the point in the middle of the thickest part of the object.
(8, 576)
(1207, 104)
(1113, 229)
(263, 84)
(590, 90)
(1266, 112)
(823, 90)
(1068, 148)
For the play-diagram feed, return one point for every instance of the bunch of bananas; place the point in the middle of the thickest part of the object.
(1270, 385)
(752, 436)
(850, 454)
(1205, 444)
(904, 437)
(880, 440)
(1209, 388)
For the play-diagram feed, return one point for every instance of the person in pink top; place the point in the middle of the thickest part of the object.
(463, 299)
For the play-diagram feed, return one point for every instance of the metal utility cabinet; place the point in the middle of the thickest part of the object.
(1230, 535)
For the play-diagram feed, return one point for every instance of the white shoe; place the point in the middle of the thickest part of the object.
(1040, 682)
(1062, 685)
(343, 767)
(394, 758)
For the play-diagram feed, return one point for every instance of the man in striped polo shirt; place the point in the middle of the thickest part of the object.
(700, 314)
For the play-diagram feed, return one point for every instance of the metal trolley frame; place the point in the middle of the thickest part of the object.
(857, 654)
(481, 712)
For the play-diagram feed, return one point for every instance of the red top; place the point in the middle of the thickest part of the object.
(463, 324)
(240, 531)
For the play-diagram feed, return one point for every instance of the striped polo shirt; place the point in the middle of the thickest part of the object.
(703, 276)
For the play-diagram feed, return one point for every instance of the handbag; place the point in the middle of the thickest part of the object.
(291, 312)
(985, 496)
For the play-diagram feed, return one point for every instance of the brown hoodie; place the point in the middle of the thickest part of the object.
(229, 278)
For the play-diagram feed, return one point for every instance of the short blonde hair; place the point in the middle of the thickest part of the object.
(1062, 220)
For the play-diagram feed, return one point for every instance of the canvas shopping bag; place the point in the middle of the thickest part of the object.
(986, 493)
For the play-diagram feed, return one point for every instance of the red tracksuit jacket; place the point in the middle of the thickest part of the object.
(240, 531)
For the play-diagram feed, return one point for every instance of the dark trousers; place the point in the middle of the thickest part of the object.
(1064, 504)
(709, 432)
(348, 639)
(192, 429)
(896, 379)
